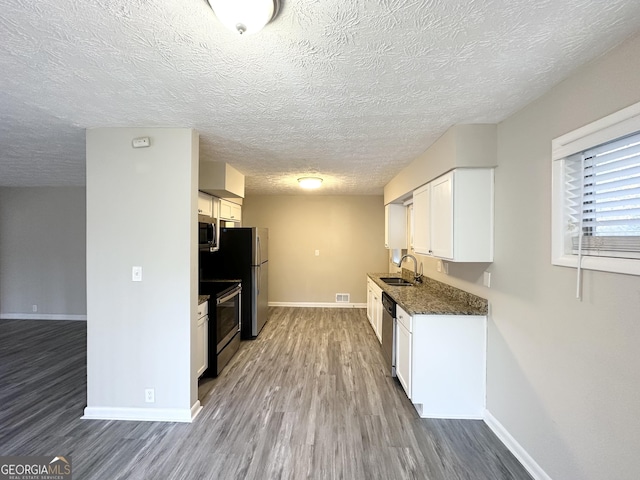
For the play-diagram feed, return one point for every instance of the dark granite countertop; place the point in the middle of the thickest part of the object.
(202, 299)
(431, 297)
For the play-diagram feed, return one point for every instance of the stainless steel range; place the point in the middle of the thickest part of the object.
(224, 322)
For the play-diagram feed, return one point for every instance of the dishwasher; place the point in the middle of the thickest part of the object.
(389, 332)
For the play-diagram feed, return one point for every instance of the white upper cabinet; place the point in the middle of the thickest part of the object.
(453, 216)
(441, 217)
(421, 220)
(395, 226)
(220, 180)
(205, 204)
(410, 224)
(230, 212)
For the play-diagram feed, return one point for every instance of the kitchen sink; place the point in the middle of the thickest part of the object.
(396, 282)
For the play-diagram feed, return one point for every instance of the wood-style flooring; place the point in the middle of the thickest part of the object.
(309, 399)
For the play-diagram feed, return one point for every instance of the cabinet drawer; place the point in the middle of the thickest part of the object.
(404, 318)
(203, 309)
(202, 320)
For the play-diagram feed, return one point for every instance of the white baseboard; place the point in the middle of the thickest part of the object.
(518, 451)
(42, 316)
(183, 415)
(195, 410)
(317, 305)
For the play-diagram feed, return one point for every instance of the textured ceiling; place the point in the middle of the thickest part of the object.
(351, 90)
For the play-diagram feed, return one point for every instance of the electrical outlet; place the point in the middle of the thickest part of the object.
(487, 279)
(150, 395)
(317, 253)
(442, 267)
(34, 308)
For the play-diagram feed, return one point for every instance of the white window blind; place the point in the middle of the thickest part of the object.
(595, 215)
(603, 199)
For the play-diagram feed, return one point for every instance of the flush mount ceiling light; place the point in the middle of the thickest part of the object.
(245, 16)
(310, 182)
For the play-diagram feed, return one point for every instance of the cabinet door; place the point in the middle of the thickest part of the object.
(379, 310)
(410, 225)
(395, 226)
(229, 211)
(225, 210)
(236, 212)
(421, 223)
(403, 357)
(441, 218)
(215, 207)
(369, 302)
(202, 342)
(205, 206)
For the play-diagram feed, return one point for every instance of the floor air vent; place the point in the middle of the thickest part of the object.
(342, 297)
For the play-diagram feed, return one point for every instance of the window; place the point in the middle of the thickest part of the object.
(596, 195)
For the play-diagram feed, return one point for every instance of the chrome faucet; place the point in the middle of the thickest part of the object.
(417, 278)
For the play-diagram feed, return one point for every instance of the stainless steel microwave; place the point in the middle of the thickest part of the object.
(208, 234)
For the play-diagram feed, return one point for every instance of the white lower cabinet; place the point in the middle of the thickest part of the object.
(403, 350)
(441, 363)
(374, 307)
(202, 339)
(369, 300)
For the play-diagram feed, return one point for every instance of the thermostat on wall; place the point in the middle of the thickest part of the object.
(140, 142)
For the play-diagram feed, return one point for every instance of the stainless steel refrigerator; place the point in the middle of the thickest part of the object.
(243, 255)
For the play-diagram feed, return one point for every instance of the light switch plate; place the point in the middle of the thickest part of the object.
(487, 279)
(136, 274)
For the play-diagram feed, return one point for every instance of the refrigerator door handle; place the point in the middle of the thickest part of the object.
(259, 250)
(259, 277)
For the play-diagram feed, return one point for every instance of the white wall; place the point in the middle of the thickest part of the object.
(141, 210)
(563, 375)
(42, 253)
(471, 145)
(348, 231)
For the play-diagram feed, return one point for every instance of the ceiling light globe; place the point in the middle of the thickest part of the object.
(245, 16)
(310, 182)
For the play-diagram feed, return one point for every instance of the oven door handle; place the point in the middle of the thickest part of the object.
(232, 293)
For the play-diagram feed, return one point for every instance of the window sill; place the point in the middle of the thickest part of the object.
(602, 264)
